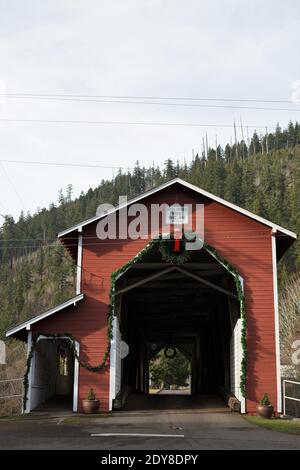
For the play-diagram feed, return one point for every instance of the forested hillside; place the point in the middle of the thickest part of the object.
(263, 177)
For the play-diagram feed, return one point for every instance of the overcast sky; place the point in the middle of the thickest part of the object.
(165, 48)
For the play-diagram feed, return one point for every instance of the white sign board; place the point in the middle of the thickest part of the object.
(177, 214)
(124, 349)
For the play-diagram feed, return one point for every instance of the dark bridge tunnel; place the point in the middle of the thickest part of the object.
(192, 306)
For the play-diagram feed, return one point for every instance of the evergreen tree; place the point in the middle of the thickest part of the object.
(138, 180)
(169, 170)
(166, 372)
(255, 146)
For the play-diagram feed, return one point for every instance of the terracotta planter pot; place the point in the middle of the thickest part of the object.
(265, 411)
(90, 406)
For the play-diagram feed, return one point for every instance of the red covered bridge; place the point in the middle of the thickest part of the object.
(218, 305)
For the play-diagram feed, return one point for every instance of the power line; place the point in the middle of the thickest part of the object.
(3, 207)
(80, 165)
(87, 237)
(127, 101)
(11, 183)
(130, 97)
(130, 123)
(118, 243)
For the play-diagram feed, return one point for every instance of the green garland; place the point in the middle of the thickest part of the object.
(174, 258)
(241, 299)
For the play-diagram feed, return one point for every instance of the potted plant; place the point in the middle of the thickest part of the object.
(90, 404)
(265, 409)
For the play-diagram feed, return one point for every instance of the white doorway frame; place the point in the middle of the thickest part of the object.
(76, 370)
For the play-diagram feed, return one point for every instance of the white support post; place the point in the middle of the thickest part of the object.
(76, 379)
(79, 262)
(276, 319)
(242, 399)
(29, 378)
(284, 408)
(112, 369)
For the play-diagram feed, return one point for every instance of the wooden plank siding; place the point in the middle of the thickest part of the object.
(244, 242)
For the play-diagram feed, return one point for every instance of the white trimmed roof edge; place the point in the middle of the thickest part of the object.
(46, 314)
(236, 208)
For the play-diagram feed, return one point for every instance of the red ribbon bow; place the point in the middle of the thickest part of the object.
(177, 244)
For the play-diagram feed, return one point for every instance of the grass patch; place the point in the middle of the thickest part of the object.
(11, 418)
(69, 419)
(276, 424)
(83, 418)
(27, 417)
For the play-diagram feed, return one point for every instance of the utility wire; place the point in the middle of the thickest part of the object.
(101, 242)
(3, 207)
(11, 184)
(246, 232)
(193, 105)
(135, 97)
(80, 165)
(130, 123)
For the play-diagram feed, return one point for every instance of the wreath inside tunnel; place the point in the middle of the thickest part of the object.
(170, 352)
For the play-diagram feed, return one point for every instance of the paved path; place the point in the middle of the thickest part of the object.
(172, 400)
(174, 392)
(200, 431)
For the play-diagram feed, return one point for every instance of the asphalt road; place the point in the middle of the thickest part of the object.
(187, 430)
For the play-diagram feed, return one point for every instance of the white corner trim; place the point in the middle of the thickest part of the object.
(242, 399)
(112, 367)
(29, 345)
(79, 263)
(189, 186)
(76, 378)
(276, 320)
(46, 314)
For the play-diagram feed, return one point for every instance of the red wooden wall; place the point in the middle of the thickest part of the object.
(245, 243)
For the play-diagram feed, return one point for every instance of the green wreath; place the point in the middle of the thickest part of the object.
(172, 354)
(174, 257)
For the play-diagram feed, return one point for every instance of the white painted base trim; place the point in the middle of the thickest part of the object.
(134, 434)
(243, 405)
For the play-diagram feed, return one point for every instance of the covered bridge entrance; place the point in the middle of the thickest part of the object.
(194, 307)
(195, 304)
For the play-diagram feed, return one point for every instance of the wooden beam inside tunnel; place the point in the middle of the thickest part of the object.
(162, 273)
(143, 281)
